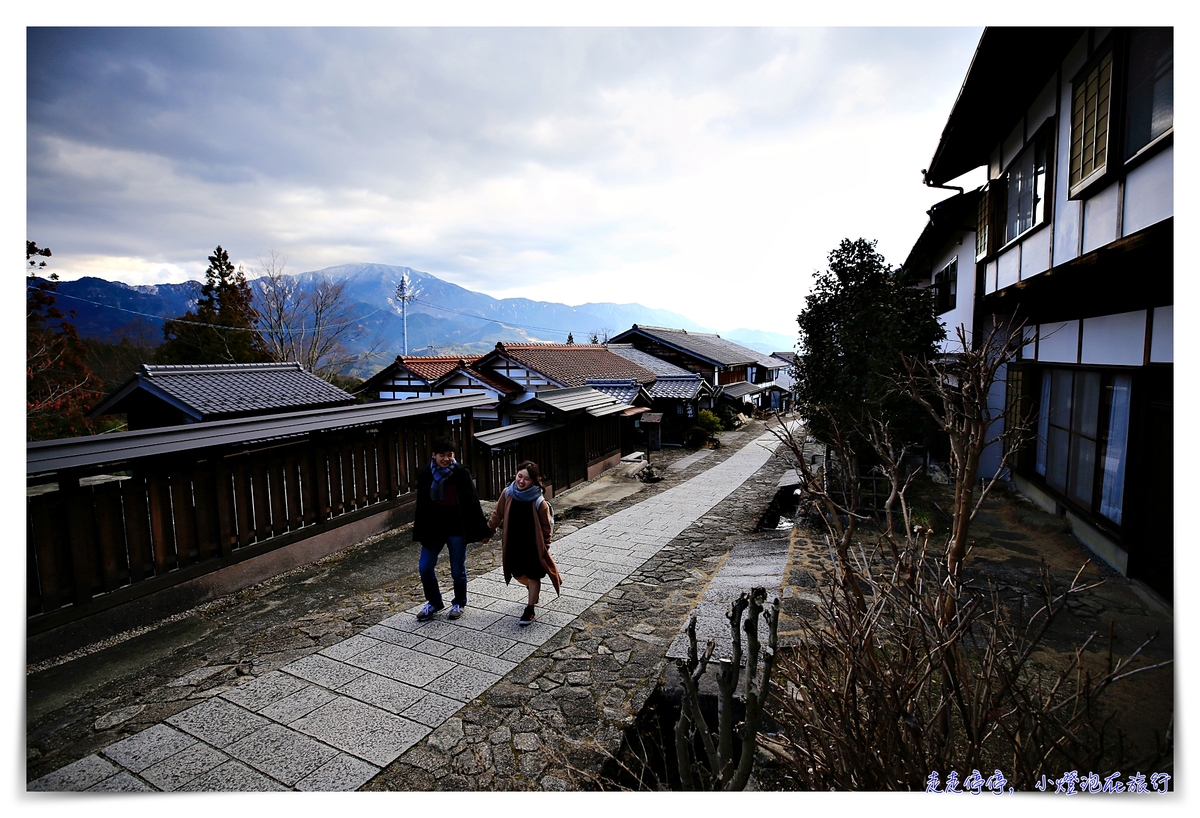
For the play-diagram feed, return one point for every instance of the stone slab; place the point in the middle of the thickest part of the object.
(232, 776)
(298, 705)
(218, 722)
(148, 747)
(265, 690)
(349, 647)
(402, 664)
(364, 731)
(394, 636)
(432, 710)
(284, 754)
(172, 773)
(462, 683)
(383, 692)
(76, 776)
(121, 782)
(326, 672)
(342, 773)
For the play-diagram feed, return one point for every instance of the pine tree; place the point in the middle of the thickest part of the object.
(221, 329)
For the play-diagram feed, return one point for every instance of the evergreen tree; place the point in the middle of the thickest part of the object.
(857, 321)
(60, 388)
(222, 327)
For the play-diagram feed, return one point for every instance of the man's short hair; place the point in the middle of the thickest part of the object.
(442, 444)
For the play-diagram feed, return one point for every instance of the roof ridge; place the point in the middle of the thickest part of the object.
(178, 369)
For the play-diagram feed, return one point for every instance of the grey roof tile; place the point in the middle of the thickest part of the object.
(216, 391)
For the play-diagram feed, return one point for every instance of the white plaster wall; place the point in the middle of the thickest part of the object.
(964, 310)
(1009, 268)
(1150, 192)
(989, 279)
(1059, 342)
(1118, 340)
(1035, 254)
(1162, 338)
(1100, 219)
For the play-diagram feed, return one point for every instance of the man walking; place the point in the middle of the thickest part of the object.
(448, 514)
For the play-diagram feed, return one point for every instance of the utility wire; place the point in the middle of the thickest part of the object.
(204, 324)
(492, 320)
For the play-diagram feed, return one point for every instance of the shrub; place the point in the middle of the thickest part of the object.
(709, 422)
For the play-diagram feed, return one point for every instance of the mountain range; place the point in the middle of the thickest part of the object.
(443, 318)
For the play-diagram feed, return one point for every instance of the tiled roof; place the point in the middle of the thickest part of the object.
(578, 397)
(676, 387)
(429, 369)
(574, 364)
(213, 391)
(624, 390)
(656, 365)
(741, 389)
(707, 346)
(788, 357)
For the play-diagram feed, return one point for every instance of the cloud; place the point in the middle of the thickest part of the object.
(647, 164)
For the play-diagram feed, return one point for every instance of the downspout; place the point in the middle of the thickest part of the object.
(925, 179)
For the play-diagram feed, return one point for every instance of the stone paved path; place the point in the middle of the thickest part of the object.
(332, 720)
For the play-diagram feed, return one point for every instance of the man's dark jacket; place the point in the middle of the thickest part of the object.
(474, 524)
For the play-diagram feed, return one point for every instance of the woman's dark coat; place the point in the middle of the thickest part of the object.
(474, 524)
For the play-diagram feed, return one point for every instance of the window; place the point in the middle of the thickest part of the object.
(982, 223)
(1082, 433)
(1090, 104)
(1026, 188)
(1150, 110)
(1131, 81)
(945, 288)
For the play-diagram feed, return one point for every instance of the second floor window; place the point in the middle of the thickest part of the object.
(1133, 81)
(1026, 183)
(1150, 109)
(945, 288)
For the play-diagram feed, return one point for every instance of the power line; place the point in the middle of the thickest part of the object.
(493, 320)
(205, 324)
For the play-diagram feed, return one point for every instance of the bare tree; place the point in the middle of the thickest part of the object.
(955, 391)
(313, 325)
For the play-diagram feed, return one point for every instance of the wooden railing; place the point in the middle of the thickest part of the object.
(113, 529)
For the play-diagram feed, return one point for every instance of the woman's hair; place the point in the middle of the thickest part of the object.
(442, 444)
(534, 473)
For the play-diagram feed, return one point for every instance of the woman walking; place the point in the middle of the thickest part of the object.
(448, 514)
(524, 515)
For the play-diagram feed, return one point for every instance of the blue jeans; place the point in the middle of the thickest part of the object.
(458, 570)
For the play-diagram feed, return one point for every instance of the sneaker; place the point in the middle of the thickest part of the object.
(455, 611)
(428, 611)
(526, 616)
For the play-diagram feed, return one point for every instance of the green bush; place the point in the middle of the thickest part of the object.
(709, 422)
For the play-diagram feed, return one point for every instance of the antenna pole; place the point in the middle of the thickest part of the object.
(403, 296)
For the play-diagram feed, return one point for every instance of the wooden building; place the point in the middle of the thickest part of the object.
(159, 396)
(1073, 237)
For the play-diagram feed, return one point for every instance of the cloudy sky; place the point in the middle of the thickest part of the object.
(704, 170)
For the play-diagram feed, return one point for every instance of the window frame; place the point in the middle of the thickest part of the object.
(998, 206)
(1116, 46)
(943, 280)
(1029, 381)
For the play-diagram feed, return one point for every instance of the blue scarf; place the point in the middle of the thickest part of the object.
(436, 491)
(532, 493)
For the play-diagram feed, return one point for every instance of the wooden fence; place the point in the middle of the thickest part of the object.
(110, 531)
